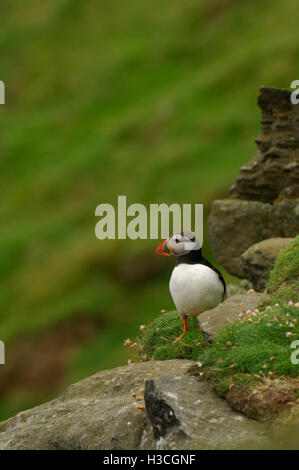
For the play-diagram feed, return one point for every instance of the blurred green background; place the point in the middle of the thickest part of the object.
(155, 100)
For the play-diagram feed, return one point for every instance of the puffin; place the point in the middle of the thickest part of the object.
(195, 284)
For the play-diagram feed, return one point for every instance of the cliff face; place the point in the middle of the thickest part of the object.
(264, 201)
(274, 171)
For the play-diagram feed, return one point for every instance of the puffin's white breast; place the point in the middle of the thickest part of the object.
(195, 288)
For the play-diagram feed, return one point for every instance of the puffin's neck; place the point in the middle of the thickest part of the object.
(193, 257)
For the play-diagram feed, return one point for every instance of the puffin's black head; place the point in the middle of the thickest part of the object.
(179, 244)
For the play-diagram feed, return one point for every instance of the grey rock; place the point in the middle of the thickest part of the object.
(183, 413)
(226, 313)
(259, 259)
(100, 413)
(245, 284)
(234, 225)
(286, 216)
(232, 289)
(96, 413)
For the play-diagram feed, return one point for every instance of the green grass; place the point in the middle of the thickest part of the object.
(155, 100)
(284, 278)
(260, 343)
(156, 339)
(256, 345)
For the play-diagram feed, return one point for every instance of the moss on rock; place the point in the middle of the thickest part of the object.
(283, 283)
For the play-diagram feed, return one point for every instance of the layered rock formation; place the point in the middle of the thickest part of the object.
(274, 172)
(264, 201)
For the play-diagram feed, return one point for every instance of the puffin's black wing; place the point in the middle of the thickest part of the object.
(221, 278)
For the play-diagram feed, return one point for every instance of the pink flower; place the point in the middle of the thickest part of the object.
(290, 302)
(241, 314)
(288, 334)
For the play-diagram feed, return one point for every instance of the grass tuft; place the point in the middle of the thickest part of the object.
(156, 339)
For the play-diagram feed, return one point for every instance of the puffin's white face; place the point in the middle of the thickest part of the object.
(179, 244)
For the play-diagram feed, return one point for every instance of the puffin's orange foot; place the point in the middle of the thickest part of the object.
(185, 331)
(178, 339)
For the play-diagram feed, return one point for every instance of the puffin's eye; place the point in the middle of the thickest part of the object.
(177, 240)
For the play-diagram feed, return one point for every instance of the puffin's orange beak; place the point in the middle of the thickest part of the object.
(163, 249)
